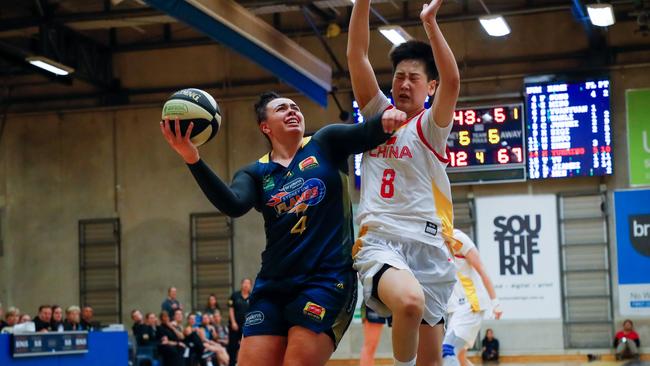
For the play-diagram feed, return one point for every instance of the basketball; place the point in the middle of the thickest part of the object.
(193, 105)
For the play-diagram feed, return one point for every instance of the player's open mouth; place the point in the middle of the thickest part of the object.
(404, 97)
(292, 121)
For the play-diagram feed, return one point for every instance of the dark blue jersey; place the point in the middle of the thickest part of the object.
(306, 206)
(307, 213)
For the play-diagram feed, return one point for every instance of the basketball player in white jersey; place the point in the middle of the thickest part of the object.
(405, 212)
(472, 298)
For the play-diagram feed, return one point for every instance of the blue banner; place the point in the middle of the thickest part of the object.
(632, 209)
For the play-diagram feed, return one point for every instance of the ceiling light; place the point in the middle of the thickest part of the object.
(601, 15)
(49, 65)
(396, 34)
(494, 25)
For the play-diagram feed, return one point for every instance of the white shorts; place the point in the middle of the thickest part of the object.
(465, 323)
(433, 267)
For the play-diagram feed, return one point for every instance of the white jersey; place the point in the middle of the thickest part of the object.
(405, 191)
(469, 288)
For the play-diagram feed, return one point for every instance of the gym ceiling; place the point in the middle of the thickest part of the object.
(85, 35)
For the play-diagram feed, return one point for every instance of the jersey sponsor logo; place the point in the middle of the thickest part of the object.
(431, 228)
(293, 185)
(314, 311)
(268, 183)
(254, 318)
(297, 196)
(309, 163)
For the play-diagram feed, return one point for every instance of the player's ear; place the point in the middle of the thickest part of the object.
(431, 87)
(264, 127)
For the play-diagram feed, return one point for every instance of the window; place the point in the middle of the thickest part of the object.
(585, 266)
(100, 280)
(211, 258)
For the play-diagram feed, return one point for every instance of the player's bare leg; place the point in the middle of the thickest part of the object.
(371, 335)
(430, 345)
(307, 348)
(403, 295)
(462, 358)
(262, 350)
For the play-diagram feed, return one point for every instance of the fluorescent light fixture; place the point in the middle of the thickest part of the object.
(396, 34)
(494, 25)
(601, 15)
(49, 65)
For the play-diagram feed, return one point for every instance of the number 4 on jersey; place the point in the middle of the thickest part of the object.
(300, 226)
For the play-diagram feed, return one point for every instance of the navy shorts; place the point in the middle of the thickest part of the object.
(320, 303)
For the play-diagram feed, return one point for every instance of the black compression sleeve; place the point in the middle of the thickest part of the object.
(340, 140)
(233, 201)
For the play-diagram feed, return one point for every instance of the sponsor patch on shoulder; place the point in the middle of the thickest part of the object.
(431, 228)
(308, 163)
(314, 311)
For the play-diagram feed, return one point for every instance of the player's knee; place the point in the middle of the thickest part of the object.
(411, 305)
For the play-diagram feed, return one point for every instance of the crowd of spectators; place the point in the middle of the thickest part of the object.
(174, 337)
(204, 337)
(177, 338)
(50, 318)
(186, 338)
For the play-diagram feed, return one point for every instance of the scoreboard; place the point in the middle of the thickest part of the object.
(569, 129)
(563, 130)
(487, 144)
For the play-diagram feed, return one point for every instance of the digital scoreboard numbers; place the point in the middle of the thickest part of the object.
(487, 145)
(568, 129)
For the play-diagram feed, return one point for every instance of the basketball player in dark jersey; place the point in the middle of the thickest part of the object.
(304, 294)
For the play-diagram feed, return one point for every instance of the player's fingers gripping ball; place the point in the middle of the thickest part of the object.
(196, 106)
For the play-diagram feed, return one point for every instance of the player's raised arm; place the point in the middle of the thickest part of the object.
(446, 95)
(364, 82)
(341, 140)
(233, 201)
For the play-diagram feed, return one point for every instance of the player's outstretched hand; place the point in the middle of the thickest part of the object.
(181, 144)
(392, 119)
(428, 14)
(429, 11)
